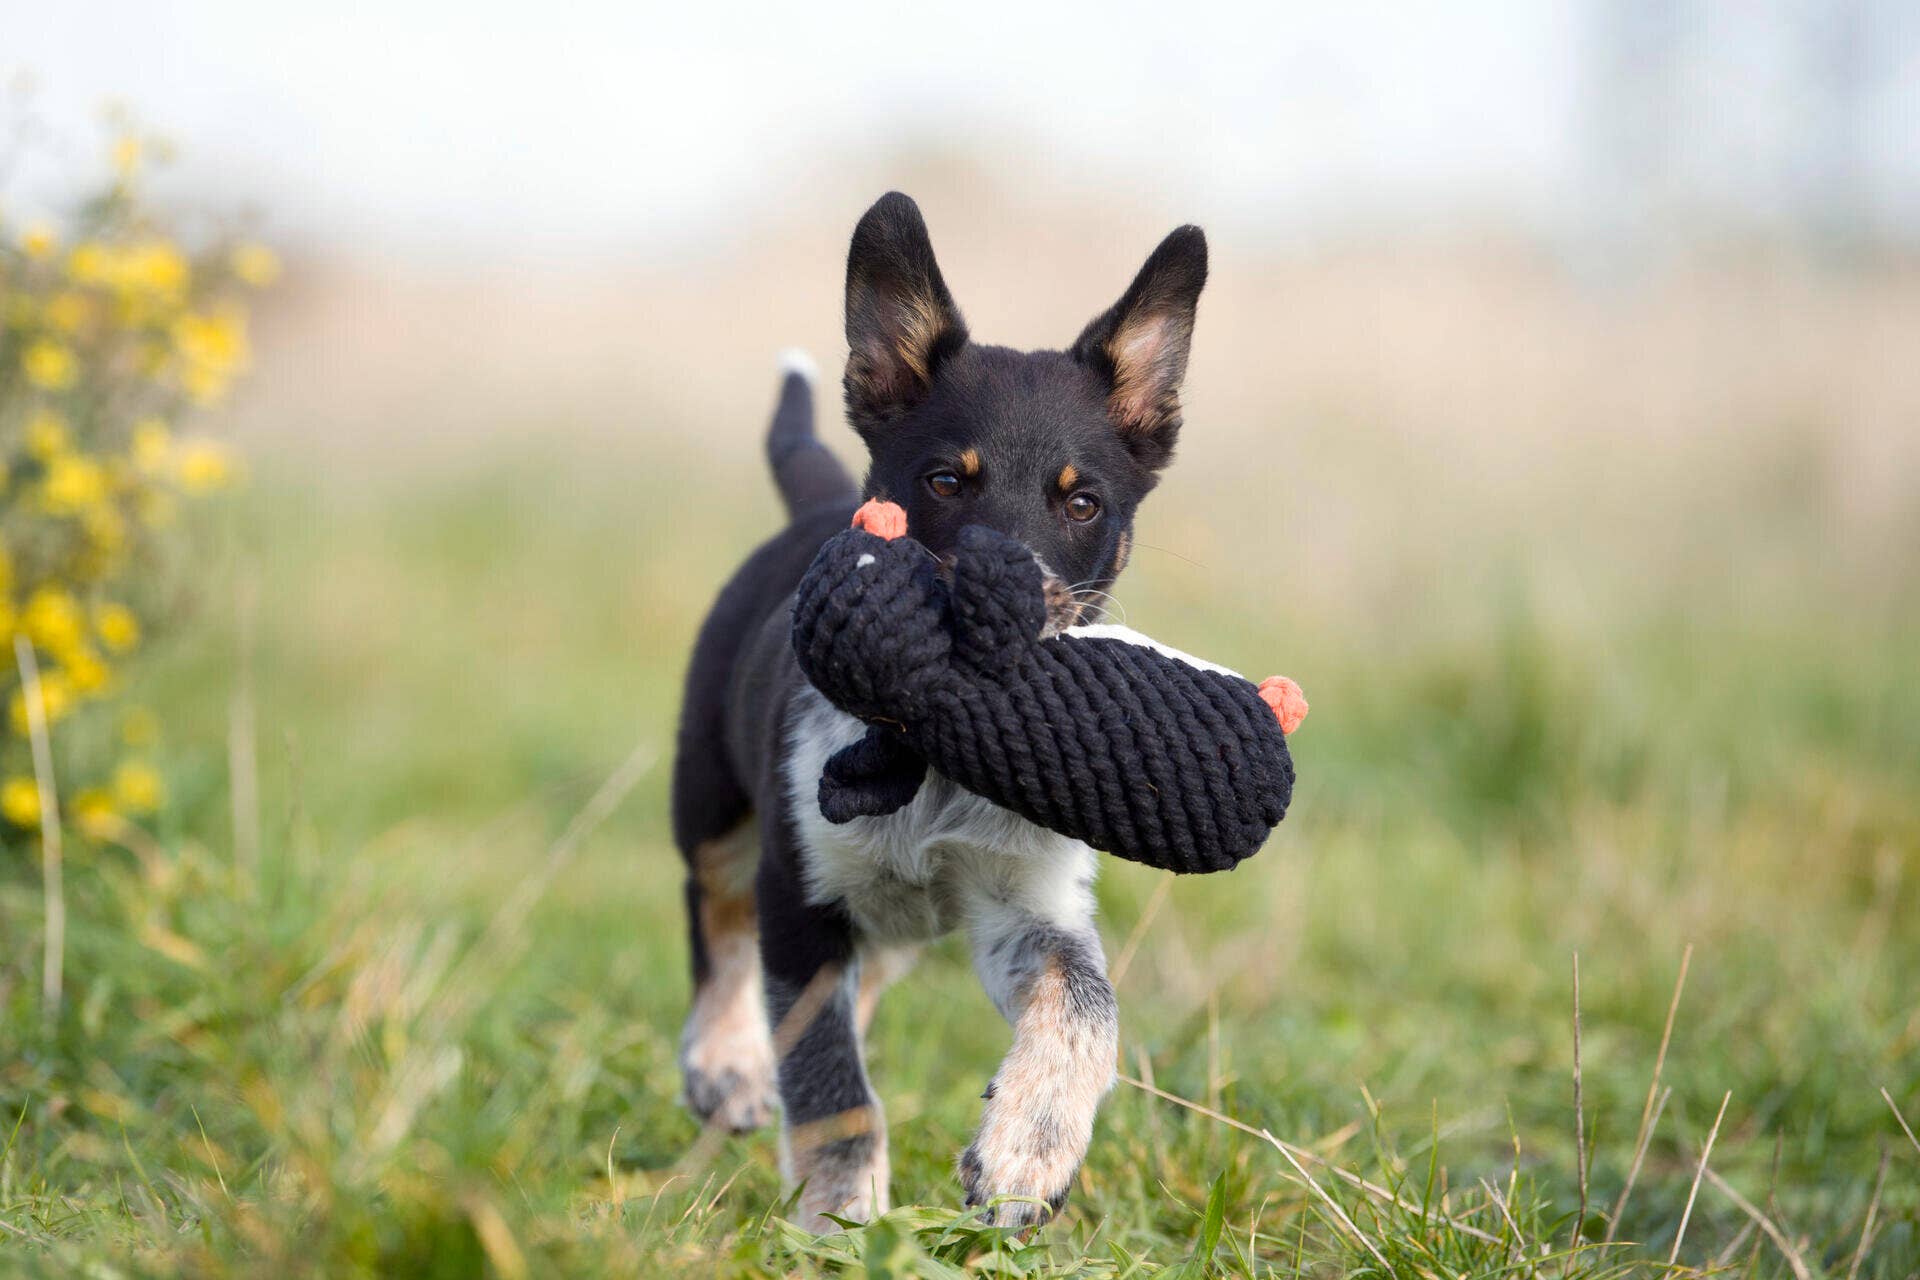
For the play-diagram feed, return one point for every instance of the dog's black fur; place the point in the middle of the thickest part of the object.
(1055, 448)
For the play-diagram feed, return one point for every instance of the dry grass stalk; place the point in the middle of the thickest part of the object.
(1648, 1115)
(1873, 1208)
(1129, 948)
(1373, 1189)
(1639, 1157)
(1732, 1246)
(1499, 1202)
(1904, 1126)
(496, 1237)
(52, 862)
(1579, 1112)
(1340, 1215)
(1686, 1214)
(1766, 1224)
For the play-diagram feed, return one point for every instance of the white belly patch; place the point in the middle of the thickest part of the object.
(945, 858)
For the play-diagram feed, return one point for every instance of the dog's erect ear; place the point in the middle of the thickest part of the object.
(1139, 345)
(901, 321)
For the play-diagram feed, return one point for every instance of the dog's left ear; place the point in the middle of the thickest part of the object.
(1139, 345)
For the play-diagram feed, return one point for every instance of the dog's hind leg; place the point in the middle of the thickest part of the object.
(726, 1058)
(1050, 981)
(726, 1053)
(833, 1132)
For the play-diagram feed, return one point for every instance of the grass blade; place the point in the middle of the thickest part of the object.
(1686, 1214)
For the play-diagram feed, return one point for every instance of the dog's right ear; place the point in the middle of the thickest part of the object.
(901, 321)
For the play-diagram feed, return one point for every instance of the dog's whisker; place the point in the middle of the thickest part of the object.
(1103, 603)
(1168, 551)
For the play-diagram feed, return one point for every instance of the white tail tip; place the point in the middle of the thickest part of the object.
(796, 360)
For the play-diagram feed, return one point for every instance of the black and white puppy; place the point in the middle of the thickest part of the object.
(798, 923)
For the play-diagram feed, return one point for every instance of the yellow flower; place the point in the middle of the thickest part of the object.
(204, 466)
(67, 311)
(93, 810)
(73, 484)
(52, 620)
(90, 263)
(84, 670)
(126, 155)
(46, 435)
(213, 348)
(106, 528)
(138, 788)
(6, 572)
(6, 619)
(56, 699)
(204, 384)
(139, 727)
(156, 267)
(255, 264)
(151, 443)
(49, 364)
(39, 241)
(20, 801)
(117, 626)
(217, 340)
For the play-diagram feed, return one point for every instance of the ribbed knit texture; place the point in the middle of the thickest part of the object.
(1134, 752)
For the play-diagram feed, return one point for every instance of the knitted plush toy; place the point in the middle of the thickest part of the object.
(1097, 732)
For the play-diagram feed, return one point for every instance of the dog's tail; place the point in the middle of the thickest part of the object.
(804, 470)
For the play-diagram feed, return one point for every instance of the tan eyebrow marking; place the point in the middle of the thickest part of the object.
(970, 461)
(1068, 478)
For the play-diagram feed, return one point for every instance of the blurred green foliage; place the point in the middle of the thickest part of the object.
(368, 1064)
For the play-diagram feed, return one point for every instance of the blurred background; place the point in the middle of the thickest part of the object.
(1553, 418)
(1516, 265)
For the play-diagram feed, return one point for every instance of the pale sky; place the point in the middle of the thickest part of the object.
(412, 125)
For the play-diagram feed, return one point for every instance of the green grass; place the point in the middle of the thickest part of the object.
(435, 1034)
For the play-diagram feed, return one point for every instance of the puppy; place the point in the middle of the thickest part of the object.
(797, 923)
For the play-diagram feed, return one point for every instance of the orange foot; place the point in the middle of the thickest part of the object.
(881, 518)
(1288, 703)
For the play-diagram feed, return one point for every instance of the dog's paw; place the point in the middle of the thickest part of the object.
(729, 1099)
(878, 775)
(728, 1080)
(1015, 1155)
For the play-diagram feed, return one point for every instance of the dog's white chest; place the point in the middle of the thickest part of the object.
(932, 866)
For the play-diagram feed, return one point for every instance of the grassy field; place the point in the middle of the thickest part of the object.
(413, 1011)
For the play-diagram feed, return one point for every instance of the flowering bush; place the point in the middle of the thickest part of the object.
(111, 336)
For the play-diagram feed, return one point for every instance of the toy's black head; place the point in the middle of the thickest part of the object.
(1055, 448)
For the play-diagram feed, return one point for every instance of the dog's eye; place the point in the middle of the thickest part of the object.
(944, 484)
(1082, 507)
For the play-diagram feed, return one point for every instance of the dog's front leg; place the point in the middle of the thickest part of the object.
(1051, 982)
(833, 1134)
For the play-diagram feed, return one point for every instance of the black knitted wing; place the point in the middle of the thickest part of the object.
(1112, 742)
